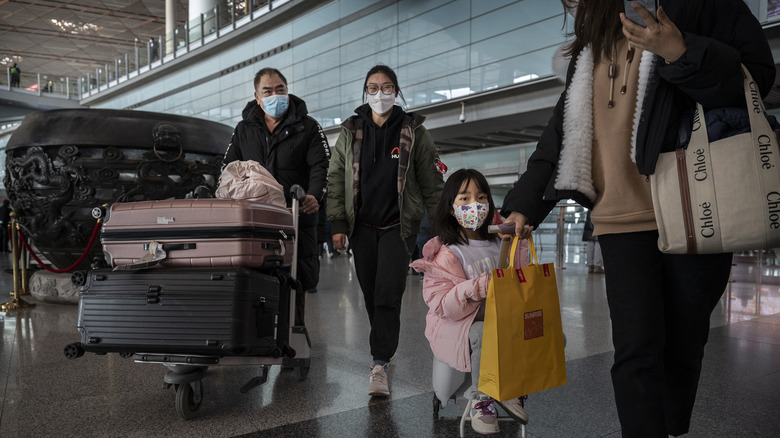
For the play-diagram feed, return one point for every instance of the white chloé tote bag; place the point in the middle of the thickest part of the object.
(720, 196)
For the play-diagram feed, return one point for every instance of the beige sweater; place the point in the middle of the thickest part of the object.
(623, 203)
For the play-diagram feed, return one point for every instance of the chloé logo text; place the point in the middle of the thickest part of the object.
(706, 224)
(773, 202)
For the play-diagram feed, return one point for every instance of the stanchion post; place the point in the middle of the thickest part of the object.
(24, 263)
(559, 243)
(16, 302)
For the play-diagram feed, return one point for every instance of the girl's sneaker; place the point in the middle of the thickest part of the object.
(516, 409)
(484, 418)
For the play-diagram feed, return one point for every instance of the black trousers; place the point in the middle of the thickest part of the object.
(5, 245)
(308, 268)
(381, 264)
(660, 306)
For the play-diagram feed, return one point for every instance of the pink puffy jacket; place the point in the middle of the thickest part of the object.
(453, 301)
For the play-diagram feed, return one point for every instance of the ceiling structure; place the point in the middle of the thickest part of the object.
(69, 38)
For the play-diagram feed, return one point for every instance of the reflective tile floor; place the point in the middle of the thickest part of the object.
(42, 394)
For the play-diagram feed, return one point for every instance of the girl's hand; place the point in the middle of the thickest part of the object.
(661, 38)
(340, 241)
(521, 229)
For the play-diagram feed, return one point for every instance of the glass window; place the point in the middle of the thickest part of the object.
(411, 8)
(527, 39)
(772, 10)
(433, 21)
(369, 24)
(351, 97)
(434, 44)
(320, 100)
(235, 55)
(438, 90)
(239, 93)
(272, 39)
(356, 70)
(454, 61)
(316, 46)
(316, 19)
(316, 64)
(177, 79)
(176, 100)
(368, 45)
(480, 7)
(516, 16)
(315, 84)
(239, 78)
(513, 70)
(202, 106)
(204, 89)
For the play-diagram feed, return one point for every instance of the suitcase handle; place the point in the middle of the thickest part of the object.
(278, 248)
(174, 246)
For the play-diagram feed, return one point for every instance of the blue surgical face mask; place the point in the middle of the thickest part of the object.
(275, 105)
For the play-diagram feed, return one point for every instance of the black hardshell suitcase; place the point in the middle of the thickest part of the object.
(227, 312)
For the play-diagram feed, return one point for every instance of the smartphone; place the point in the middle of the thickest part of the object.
(631, 14)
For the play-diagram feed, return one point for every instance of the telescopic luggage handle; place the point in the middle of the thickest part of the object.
(297, 192)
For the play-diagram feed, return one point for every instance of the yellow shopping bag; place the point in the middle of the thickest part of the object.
(522, 341)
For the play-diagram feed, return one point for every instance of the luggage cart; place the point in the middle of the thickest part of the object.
(450, 384)
(186, 371)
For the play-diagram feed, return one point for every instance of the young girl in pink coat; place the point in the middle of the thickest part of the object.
(457, 264)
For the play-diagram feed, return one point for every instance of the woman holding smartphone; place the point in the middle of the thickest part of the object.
(627, 88)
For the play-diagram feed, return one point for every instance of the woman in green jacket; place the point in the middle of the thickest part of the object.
(384, 172)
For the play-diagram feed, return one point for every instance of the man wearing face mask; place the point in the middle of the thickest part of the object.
(277, 132)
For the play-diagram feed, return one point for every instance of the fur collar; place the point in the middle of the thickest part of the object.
(574, 162)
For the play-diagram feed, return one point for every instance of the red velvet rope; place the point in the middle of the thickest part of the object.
(69, 268)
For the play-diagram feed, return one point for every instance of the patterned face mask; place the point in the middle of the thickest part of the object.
(471, 216)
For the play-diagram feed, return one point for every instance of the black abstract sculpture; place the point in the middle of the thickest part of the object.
(60, 164)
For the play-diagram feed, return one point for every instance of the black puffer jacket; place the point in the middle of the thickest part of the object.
(719, 35)
(296, 153)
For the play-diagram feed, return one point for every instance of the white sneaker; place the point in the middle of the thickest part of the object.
(484, 418)
(516, 409)
(377, 382)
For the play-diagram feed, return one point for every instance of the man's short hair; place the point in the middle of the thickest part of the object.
(268, 71)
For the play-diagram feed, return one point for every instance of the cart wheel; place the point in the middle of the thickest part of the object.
(436, 406)
(301, 373)
(73, 351)
(188, 399)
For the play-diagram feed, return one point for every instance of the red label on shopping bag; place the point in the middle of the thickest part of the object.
(546, 270)
(520, 276)
(533, 325)
(500, 273)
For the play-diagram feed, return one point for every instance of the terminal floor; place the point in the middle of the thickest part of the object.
(42, 394)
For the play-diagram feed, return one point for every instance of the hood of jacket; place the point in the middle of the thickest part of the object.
(363, 114)
(444, 263)
(574, 165)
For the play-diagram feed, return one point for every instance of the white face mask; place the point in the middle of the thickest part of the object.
(471, 216)
(380, 102)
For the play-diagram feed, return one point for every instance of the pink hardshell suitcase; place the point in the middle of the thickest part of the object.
(198, 233)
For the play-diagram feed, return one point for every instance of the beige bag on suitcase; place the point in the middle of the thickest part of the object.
(250, 181)
(722, 196)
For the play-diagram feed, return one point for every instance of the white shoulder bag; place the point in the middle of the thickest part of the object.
(722, 196)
